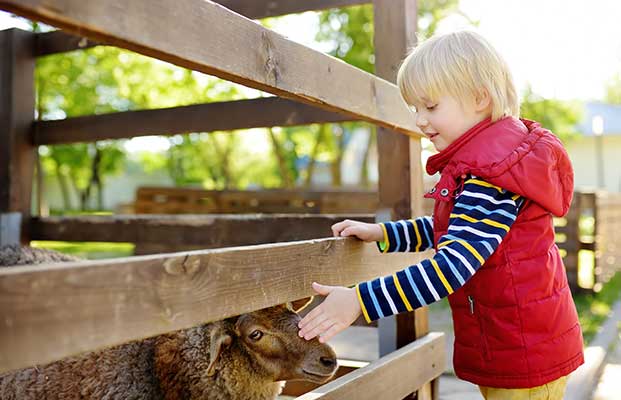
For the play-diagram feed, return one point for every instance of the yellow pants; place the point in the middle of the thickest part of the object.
(554, 390)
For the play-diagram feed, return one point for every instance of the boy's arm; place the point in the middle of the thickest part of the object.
(481, 218)
(409, 235)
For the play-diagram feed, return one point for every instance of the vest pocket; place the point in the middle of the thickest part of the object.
(477, 314)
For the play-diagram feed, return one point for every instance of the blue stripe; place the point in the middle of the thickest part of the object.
(419, 296)
(398, 242)
(374, 300)
(481, 240)
(453, 269)
(427, 230)
(486, 211)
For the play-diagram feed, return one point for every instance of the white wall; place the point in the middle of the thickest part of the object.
(583, 154)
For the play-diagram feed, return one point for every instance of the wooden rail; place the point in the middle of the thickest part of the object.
(171, 200)
(57, 310)
(185, 232)
(262, 59)
(592, 228)
(424, 359)
(217, 116)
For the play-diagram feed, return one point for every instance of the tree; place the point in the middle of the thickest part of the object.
(561, 117)
(349, 31)
(613, 90)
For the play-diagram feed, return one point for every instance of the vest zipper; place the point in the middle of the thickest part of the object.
(471, 301)
(485, 348)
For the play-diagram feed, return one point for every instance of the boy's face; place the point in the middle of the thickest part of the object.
(447, 119)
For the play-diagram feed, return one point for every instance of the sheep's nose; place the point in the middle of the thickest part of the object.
(328, 361)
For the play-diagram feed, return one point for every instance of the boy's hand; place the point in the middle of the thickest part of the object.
(362, 230)
(339, 310)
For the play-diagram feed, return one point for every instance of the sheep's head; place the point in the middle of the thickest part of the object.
(270, 338)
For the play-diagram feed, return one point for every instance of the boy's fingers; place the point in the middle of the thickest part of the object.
(310, 325)
(338, 227)
(319, 329)
(316, 312)
(329, 334)
(323, 290)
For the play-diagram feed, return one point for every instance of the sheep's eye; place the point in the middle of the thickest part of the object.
(256, 335)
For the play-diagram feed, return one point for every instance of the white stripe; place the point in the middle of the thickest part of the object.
(407, 235)
(475, 231)
(430, 220)
(428, 282)
(388, 298)
(461, 258)
(486, 197)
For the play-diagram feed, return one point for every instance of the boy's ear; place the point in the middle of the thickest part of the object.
(482, 100)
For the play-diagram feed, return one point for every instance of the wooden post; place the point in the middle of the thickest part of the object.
(16, 118)
(400, 171)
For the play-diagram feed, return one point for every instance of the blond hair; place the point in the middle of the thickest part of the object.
(460, 64)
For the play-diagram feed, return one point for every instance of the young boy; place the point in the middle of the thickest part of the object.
(502, 179)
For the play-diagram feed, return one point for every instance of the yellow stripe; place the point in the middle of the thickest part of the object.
(483, 183)
(400, 290)
(385, 239)
(364, 310)
(486, 221)
(441, 276)
(467, 246)
(418, 239)
(515, 197)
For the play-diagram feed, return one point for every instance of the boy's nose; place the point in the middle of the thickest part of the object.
(421, 121)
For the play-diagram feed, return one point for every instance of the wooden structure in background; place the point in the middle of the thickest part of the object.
(54, 311)
(589, 239)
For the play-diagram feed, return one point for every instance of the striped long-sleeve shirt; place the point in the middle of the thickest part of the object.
(482, 216)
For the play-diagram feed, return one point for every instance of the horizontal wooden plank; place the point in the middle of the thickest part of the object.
(53, 42)
(202, 231)
(56, 310)
(59, 41)
(179, 200)
(257, 9)
(391, 377)
(218, 116)
(207, 37)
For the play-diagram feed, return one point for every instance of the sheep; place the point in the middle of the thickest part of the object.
(243, 357)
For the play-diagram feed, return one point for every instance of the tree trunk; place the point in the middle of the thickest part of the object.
(64, 188)
(335, 165)
(364, 167)
(310, 170)
(282, 163)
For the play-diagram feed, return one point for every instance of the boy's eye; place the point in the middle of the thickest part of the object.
(430, 108)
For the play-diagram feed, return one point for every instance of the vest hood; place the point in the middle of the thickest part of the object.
(519, 156)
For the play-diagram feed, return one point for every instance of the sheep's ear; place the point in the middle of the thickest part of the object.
(220, 339)
(299, 305)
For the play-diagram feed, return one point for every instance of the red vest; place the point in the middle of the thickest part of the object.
(515, 321)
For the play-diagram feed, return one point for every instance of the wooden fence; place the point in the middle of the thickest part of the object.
(589, 239)
(587, 236)
(53, 311)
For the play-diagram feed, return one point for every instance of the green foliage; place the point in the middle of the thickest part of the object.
(613, 90)
(349, 30)
(558, 116)
(594, 308)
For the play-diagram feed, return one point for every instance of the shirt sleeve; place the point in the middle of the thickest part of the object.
(481, 218)
(407, 235)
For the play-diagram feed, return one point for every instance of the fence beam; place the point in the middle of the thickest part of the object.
(257, 9)
(56, 310)
(207, 37)
(217, 116)
(188, 231)
(17, 153)
(424, 359)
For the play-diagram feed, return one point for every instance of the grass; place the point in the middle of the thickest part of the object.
(593, 308)
(88, 250)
